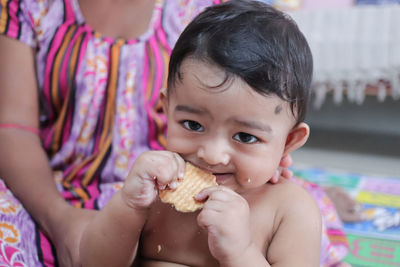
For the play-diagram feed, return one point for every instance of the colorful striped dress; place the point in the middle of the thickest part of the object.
(99, 105)
(99, 109)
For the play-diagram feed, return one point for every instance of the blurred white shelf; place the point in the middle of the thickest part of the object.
(353, 47)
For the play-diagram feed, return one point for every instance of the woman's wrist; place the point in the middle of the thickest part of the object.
(54, 214)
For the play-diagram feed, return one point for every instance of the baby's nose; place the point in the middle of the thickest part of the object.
(214, 154)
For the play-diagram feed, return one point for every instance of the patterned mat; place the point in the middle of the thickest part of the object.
(374, 242)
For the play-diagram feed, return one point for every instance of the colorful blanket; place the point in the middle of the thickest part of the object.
(374, 242)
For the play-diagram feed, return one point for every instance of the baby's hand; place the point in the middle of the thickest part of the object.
(226, 217)
(151, 171)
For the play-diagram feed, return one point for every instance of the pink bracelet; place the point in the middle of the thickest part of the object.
(19, 127)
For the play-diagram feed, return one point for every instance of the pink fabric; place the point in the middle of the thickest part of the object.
(334, 246)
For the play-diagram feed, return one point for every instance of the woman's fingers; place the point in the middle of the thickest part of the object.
(283, 169)
(286, 161)
(286, 173)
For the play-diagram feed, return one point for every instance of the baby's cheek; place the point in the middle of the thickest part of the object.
(180, 145)
(258, 173)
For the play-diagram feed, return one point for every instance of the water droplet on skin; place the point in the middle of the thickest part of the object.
(248, 180)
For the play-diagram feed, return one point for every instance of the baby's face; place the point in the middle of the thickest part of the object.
(232, 131)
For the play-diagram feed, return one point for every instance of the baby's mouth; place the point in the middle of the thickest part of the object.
(223, 178)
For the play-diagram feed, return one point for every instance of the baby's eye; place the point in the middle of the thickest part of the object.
(245, 138)
(193, 126)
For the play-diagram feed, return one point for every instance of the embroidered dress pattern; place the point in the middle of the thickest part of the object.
(99, 107)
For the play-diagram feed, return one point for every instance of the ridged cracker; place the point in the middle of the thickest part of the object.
(182, 198)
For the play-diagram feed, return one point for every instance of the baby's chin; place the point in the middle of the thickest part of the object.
(230, 181)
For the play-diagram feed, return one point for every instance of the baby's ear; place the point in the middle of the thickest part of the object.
(296, 138)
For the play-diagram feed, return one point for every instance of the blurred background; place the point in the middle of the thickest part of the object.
(357, 138)
(355, 109)
(354, 116)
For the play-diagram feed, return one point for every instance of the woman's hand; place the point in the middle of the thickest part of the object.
(283, 169)
(226, 217)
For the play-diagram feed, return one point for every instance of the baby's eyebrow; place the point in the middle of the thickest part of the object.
(190, 109)
(253, 124)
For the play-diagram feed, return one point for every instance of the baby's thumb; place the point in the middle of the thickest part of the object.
(205, 193)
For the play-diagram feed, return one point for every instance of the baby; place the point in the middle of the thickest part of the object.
(239, 81)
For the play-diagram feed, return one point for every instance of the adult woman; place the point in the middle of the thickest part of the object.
(98, 79)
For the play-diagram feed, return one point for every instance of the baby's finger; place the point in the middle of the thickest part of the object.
(160, 185)
(206, 218)
(215, 192)
(203, 195)
(180, 165)
(217, 205)
(178, 170)
(220, 202)
(166, 169)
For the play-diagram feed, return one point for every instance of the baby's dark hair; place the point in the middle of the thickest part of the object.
(253, 41)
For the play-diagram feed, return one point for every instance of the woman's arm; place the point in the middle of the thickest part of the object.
(24, 164)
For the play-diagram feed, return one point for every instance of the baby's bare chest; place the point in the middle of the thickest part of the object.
(175, 237)
(172, 236)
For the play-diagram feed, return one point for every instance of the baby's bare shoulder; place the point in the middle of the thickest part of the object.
(297, 219)
(280, 207)
(285, 188)
(289, 198)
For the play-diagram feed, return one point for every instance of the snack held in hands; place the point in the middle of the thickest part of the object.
(182, 197)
